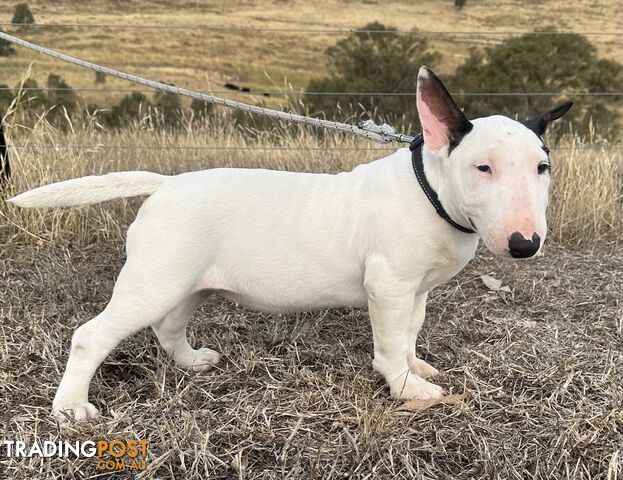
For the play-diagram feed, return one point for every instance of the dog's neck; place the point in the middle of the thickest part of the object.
(435, 174)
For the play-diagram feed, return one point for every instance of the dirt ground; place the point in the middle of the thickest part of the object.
(296, 396)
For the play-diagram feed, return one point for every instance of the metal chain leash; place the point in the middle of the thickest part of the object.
(368, 129)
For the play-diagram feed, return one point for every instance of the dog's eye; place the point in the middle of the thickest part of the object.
(544, 168)
(484, 168)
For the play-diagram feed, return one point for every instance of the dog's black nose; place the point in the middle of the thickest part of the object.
(521, 247)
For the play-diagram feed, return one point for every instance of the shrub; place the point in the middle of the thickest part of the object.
(22, 15)
(60, 100)
(100, 77)
(34, 97)
(6, 97)
(6, 48)
(129, 109)
(369, 62)
(200, 109)
(36, 100)
(540, 63)
(169, 108)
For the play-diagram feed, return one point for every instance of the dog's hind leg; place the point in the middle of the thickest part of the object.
(171, 332)
(417, 365)
(146, 291)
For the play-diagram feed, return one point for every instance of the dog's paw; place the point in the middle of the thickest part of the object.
(204, 359)
(410, 386)
(421, 368)
(80, 412)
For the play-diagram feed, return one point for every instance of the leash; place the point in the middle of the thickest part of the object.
(368, 129)
(417, 161)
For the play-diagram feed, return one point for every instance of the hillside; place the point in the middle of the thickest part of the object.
(206, 59)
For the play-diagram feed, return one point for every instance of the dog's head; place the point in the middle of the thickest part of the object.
(495, 170)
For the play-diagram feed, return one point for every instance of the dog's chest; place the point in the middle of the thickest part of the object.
(447, 262)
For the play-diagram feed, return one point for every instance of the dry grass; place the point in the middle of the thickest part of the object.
(296, 394)
(267, 61)
(587, 195)
(586, 206)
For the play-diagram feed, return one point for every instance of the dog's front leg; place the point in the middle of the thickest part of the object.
(391, 305)
(417, 365)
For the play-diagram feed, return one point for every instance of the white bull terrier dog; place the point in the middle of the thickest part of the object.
(384, 235)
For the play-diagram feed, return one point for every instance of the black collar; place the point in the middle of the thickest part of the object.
(418, 167)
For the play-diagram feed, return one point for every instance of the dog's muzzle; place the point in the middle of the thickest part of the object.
(520, 247)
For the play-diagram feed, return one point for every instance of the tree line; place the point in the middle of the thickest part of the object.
(368, 62)
(569, 63)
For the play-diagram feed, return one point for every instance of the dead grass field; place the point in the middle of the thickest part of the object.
(271, 61)
(538, 369)
(585, 207)
(296, 396)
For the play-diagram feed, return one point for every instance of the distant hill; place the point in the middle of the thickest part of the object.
(204, 59)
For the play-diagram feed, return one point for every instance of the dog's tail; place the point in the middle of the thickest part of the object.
(92, 189)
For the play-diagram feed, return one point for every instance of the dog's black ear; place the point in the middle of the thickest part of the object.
(443, 123)
(539, 124)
